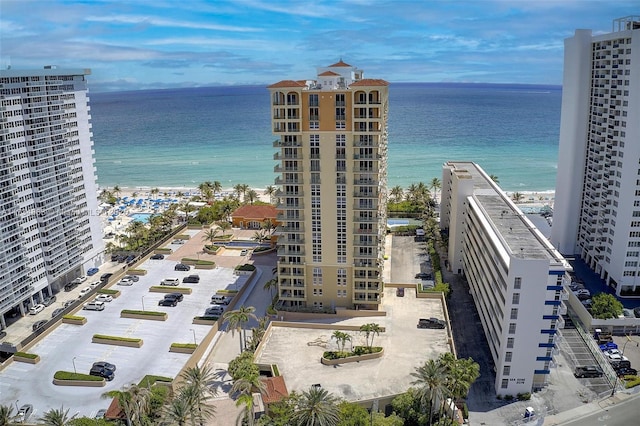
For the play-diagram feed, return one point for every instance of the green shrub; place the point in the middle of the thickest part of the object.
(197, 262)
(73, 317)
(465, 411)
(120, 339)
(524, 396)
(147, 313)
(631, 381)
(137, 271)
(149, 380)
(508, 397)
(276, 371)
(245, 267)
(67, 375)
(170, 289)
(212, 247)
(261, 249)
(227, 291)
(271, 310)
(107, 291)
(184, 345)
(26, 355)
(357, 351)
(211, 318)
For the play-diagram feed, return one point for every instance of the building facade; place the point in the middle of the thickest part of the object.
(50, 231)
(597, 204)
(515, 275)
(332, 173)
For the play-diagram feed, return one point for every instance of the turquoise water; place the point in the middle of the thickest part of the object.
(141, 217)
(182, 137)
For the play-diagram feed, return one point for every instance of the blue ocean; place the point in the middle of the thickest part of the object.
(182, 137)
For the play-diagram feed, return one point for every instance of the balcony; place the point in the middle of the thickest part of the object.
(291, 180)
(281, 144)
(284, 251)
(279, 168)
(291, 205)
(278, 156)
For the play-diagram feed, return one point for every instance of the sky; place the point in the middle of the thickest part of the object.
(146, 44)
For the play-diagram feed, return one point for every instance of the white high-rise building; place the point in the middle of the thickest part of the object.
(50, 230)
(515, 275)
(597, 204)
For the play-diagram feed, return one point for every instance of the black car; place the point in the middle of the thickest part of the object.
(157, 256)
(431, 323)
(104, 364)
(588, 371)
(424, 276)
(105, 277)
(176, 296)
(191, 279)
(400, 292)
(57, 312)
(38, 325)
(181, 267)
(105, 373)
(626, 372)
(70, 286)
(168, 302)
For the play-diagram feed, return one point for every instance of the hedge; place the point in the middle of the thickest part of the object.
(149, 380)
(209, 318)
(107, 291)
(631, 381)
(245, 267)
(184, 345)
(25, 355)
(149, 313)
(73, 317)
(67, 375)
(357, 350)
(197, 262)
(121, 339)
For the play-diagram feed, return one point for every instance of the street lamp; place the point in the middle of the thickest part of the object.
(143, 303)
(17, 409)
(194, 336)
(74, 365)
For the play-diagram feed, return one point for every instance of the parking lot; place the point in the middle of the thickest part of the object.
(68, 347)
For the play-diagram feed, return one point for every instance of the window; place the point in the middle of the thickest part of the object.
(504, 384)
(517, 283)
(510, 341)
(506, 370)
(508, 356)
(512, 328)
(514, 313)
(515, 299)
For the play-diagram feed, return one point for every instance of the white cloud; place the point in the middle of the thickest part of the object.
(162, 22)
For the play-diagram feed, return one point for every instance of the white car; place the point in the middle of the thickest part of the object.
(582, 291)
(80, 280)
(177, 241)
(103, 298)
(170, 281)
(94, 284)
(36, 309)
(84, 292)
(125, 281)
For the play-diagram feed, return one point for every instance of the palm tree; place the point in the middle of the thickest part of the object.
(211, 234)
(216, 186)
(224, 226)
(397, 193)
(517, 197)
(260, 236)
(251, 195)
(133, 401)
(341, 338)
(236, 320)
(55, 417)
(271, 192)
(178, 411)
(246, 416)
(431, 382)
(6, 414)
(317, 407)
(116, 191)
(435, 186)
(155, 191)
(197, 391)
(494, 178)
(371, 329)
(270, 285)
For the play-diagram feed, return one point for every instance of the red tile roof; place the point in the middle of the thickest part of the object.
(276, 389)
(114, 412)
(329, 73)
(370, 82)
(340, 64)
(262, 211)
(287, 83)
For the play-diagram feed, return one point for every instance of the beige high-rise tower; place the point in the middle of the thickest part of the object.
(332, 177)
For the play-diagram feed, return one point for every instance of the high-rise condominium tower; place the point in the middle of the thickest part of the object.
(597, 203)
(50, 231)
(332, 153)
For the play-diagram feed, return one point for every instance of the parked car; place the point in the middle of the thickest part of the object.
(103, 298)
(92, 271)
(3, 334)
(424, 276)
(170, 281)
(244, 252)
(84, 292)
(104, 364)
(177, 241)
(220, 299)
(94, 306)
(80, 280)
(105, 277)
(588, 371)
(157, 256)
(215, 310)
(68, 303)
(400, 291)
(194, 279)
(100, 414)
(38, 325)
(617, 364)
(133, 278)
(636, 312)
(168, 302)
(182, 267)
(125, 282)
(626, 371)
(36, 309)
(177, 296)
(608, 346)
(106, 374)
(24, 413)
(48, 300)
(57, 312)
(70, 286)
(431, 323)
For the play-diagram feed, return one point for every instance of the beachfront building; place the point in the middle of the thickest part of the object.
(597, 204)
(515, 275)
(50, 231)
(332, 173)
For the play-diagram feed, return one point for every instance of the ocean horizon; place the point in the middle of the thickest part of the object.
(179, 138)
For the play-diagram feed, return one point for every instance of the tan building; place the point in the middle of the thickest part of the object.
(332, 177)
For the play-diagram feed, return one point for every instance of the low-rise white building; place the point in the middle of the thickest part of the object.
(50, 231)
(515, 275)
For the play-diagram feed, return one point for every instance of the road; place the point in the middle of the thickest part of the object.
(623, 413)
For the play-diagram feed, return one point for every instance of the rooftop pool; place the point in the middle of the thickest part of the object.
(141, 217)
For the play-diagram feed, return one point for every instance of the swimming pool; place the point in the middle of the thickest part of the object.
(141, 217)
